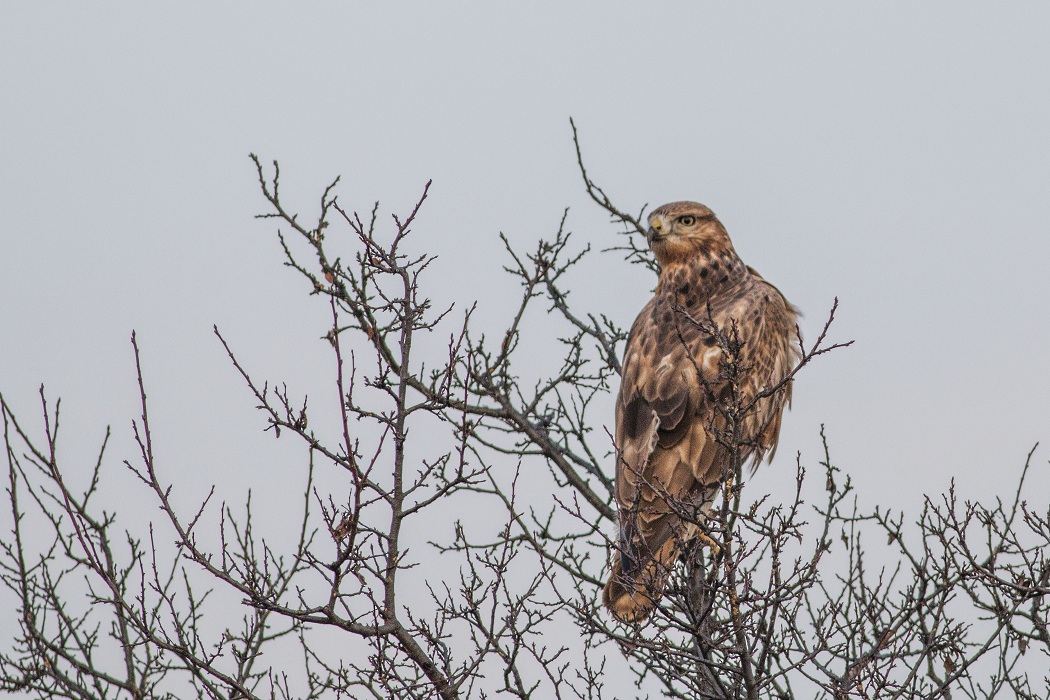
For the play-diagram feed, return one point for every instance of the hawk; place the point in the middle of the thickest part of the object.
(675, 391)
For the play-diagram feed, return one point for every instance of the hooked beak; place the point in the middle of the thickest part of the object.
(656, 230)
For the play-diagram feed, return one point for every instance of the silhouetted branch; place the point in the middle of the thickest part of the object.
(453, 523)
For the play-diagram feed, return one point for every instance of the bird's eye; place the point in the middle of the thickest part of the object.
(687, 220)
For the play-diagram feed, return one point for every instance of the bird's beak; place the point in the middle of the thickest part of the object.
(656, 229)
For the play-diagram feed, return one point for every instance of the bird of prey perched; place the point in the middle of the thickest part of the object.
(677, 397)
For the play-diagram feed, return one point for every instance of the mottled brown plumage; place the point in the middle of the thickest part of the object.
(669, 463)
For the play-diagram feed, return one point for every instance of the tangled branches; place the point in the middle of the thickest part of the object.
(454, 524)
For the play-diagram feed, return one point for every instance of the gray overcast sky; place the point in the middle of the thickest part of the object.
(894, 155)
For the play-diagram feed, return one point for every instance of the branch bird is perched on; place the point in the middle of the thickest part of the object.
(670, 408)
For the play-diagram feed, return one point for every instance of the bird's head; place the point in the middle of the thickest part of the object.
(680, 230)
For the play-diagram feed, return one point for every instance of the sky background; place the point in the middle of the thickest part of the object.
(895, 156)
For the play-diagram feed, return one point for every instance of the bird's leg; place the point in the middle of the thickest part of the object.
(711, 544)
(716, 549)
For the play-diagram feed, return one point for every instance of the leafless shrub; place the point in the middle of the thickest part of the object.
(789, 603)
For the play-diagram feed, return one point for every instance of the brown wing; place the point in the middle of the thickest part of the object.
(669, 464)
(770, 352)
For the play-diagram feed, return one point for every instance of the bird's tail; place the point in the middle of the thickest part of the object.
(637, 580)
